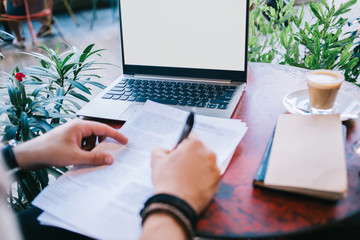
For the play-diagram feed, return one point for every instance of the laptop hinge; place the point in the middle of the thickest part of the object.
(171, 78)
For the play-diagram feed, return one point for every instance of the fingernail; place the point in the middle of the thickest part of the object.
(108, 160)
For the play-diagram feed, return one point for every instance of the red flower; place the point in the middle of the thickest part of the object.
(19, 76)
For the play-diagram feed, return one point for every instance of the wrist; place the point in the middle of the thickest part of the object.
(173, 206)
(162, 226)
(28, 155)
(8, 155)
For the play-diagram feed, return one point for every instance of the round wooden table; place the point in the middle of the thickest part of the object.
(240, 210)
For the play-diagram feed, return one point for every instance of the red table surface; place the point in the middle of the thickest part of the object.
(240, 210)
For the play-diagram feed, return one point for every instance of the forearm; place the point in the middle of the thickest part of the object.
(162, 226)
(20, 156)
(30, 154)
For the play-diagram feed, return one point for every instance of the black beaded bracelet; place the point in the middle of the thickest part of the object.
(176, 202)
(9, 157)
(172, 211)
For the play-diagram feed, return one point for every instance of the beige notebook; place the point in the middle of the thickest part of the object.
(308, 156)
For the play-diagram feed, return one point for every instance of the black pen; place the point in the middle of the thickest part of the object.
(187, 129)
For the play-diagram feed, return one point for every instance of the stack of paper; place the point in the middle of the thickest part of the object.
(104, 202)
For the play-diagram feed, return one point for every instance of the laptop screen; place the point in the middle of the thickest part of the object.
(189, 38)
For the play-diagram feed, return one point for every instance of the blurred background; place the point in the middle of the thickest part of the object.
(80, 23)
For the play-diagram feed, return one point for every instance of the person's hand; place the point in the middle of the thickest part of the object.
(68, 144)
(188, 172)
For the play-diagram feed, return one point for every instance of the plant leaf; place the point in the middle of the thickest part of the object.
(56, 172)
(4, 109)
(24, 126)
(12, 95)
(315, 11)
(79, 96)
(47, 127)
(96, 84)
(10, 133)
(43, 177)
(66, 59)
(344, 7)
(80, 86)
(57, 48)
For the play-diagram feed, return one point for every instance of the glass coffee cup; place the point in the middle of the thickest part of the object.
(323, 86)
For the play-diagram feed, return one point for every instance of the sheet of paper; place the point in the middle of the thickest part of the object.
(104, 201)
(50, 220)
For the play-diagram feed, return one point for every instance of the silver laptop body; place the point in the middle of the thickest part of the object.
(178, 42)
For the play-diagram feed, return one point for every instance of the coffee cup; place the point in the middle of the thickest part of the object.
(323, 86)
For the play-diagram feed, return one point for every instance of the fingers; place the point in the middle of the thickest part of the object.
(88, 131)
(191, 142)
(191, 139)
(100, 129)
(96, 158)
(90, 128)
(192, 135)
(194, 144)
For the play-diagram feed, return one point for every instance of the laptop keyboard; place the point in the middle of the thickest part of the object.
(174, 93)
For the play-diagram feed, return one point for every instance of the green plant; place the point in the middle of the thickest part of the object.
(26, 118)
(63, 74)
(264, 33)
(326, 45)
(56, 86)
(356, 50)
(318, 44)
(26, 114)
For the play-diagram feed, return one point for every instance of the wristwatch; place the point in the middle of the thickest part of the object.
(9, 156)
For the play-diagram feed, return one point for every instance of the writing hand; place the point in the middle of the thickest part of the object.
(188, 172)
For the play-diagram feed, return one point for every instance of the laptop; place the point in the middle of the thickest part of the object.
(191, 54)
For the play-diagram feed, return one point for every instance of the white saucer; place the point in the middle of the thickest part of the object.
(297, 102)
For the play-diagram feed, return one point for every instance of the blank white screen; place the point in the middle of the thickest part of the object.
(200, 34)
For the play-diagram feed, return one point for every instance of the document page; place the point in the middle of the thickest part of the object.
(104, 202)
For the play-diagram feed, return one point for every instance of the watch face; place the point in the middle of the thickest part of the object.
(12, 142)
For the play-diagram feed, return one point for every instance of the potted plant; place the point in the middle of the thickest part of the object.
(39, 99)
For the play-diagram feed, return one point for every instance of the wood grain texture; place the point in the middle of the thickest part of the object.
(241, 211)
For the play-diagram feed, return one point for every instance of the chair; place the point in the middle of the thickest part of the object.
(46, 12)
(113, 5)
(70, 11)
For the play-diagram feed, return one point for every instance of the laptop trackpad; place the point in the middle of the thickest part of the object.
(131, 111)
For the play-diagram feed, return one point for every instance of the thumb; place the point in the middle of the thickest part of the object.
(96, 158)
